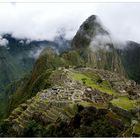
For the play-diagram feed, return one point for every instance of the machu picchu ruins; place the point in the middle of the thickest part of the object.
(62, 100)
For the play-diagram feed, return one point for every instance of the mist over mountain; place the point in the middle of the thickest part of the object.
(23, 49)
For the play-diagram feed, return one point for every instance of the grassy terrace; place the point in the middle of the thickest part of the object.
(91, 79)
(124, 103)
(113, 115)
(97, 105)
(136, 128)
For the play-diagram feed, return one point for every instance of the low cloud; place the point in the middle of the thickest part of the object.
(39, 21)
(3, 42)
(35, 53)
(42, 21)
(101, 42)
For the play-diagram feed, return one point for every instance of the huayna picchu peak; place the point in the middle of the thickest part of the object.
(80, 87)
(96, 47)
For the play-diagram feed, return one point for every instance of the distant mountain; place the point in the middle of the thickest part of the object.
(27, 51)
(131, 60)
(9, 69)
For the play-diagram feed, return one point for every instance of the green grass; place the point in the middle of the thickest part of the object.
(19, 109)
(124, 103)
(138, 102)
(85, 104)
(128, 133)
(71, 109)
(91, 81)
(113, 115)
(89, 104)
(136, 128)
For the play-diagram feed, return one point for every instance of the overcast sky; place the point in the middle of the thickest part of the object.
(46, 20)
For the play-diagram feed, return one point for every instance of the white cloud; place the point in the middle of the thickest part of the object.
(44, 20)
(21, 41)
(121, 19)
(35, 53)
(3, 41)
(100, 42)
